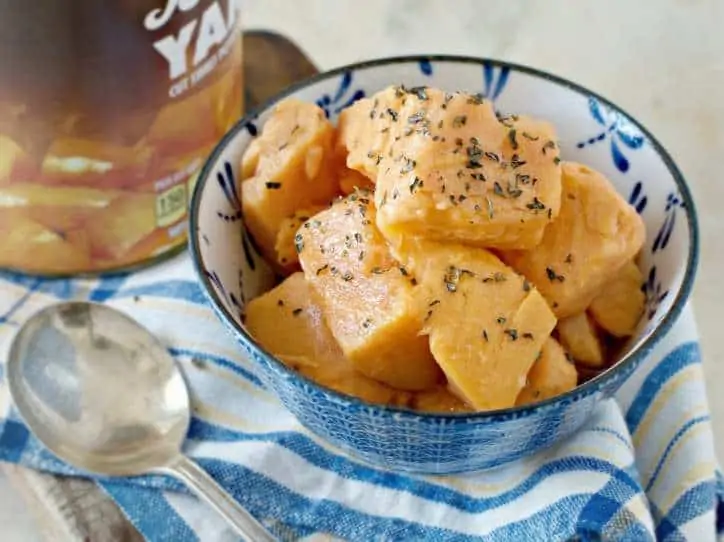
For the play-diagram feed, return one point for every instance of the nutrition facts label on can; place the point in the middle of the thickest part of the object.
(171, 205)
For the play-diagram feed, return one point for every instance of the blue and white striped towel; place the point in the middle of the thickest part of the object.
(644, 468)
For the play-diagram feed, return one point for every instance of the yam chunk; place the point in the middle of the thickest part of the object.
(10, 155)
(596, 233)
(70, 158)
(368, 300)
(579, 336)
(366, 130)
(619, 306)
(30, 246)
(57, 208)
(486, 323)
(288, 323)
(286, 253)
(290, 166)
(439, 400)
(130, 218)
(552, 374)
(452, 171)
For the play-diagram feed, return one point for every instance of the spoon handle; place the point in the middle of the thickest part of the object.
(199, 481)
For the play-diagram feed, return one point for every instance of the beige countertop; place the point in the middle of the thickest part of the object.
(661, 60)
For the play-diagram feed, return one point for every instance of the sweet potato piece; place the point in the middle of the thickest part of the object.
(28, 245)
(455, 172)
(366, 130)
(367, 298)
(439, 400)
(293, 168)
(286, 253)
(10, 154)
(288, 323)
(129, 219)
(579, 336)
(486, 323)
(71, 156)
(552, 374)
(596, 233)
(619, 306)
(82, 162)
(58, 208)
(156, 243)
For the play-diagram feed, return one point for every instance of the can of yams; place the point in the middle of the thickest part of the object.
(107, 111)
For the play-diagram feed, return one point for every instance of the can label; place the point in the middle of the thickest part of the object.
(107, 112)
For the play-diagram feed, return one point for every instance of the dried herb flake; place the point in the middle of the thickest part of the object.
(512, 138)
(299, 243)
(460, 121)
(553, 276)
(416, 183)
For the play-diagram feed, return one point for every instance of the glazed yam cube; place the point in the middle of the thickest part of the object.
(486, 323)
(457, 173)
(619, 306)
(288, 323)
(290, 166)
(10, 155)
(126, 221)
(552, 374)
(439, 400)
(578, 334)
(30, 246)
(596, 233)
(286, 253)
(367, 128)
(368, 299)
(58, 208)
(71, 159)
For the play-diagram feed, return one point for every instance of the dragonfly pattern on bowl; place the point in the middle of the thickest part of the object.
(333, 104)
(616, 129)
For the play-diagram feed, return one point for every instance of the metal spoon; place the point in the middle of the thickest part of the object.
(104, 395)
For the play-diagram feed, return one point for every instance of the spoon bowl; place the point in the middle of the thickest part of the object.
(98, 390)
(104, 395)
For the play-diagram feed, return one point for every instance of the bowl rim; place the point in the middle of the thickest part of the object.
(622, 367)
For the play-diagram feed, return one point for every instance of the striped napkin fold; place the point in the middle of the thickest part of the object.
(642, 469)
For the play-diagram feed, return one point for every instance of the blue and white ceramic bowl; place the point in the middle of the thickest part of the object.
(591, 130)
